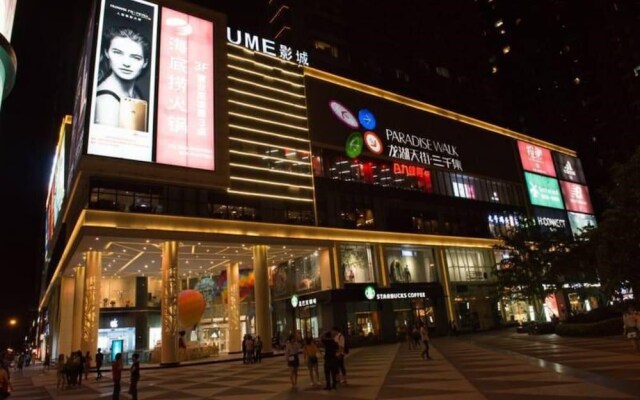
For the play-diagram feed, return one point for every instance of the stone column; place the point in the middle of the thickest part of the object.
(233, 309)
(67, 316)
(76, 304)
(91, 304)
(169, 309)
(262, 296)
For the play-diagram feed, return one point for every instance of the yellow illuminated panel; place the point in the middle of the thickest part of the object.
(237, 178)
(338, 80)
(268, 145)
(268, 133)
(267, 98)
(265, 157)
(267, 121)
(265, 66)
(268, 110)
(275, 171)
(268, 77)
(271, 58)
(272, 196)
(236, 79)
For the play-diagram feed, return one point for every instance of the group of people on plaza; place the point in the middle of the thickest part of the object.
(418, 338)
(336, 347)
(251, 349)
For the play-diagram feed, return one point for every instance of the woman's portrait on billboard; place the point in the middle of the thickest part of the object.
(124, 59)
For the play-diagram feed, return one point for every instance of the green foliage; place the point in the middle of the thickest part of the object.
(609, 327)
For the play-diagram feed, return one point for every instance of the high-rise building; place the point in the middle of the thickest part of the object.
(213, 183)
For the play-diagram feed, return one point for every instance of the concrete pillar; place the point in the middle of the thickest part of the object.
(75, 302)
(233, 309)
(169, 308)
(67, 317)
(441, 260)
(382, 272)
(262, 296)
(91, 304)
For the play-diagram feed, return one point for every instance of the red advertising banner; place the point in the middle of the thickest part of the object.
(185, 134)
(536, 159)
(576, 197)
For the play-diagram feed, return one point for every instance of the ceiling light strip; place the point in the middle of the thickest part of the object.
(271, 196)
(296, 162)
(275, 171)
(242, 92)
(288, 93)
(267, 144)
(265, 66)
(267, 133)
(265, 76)
(237, 178)
(267, 121)
(303, 118)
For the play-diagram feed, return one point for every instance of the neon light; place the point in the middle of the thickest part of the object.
(248, 71)
(237, 178)
(269, 157)
(268, 133)
(263, 55)
(277, 171)
(265, 66)
(266, 121)
(268, 110)
(267, 98)
(233, 78)
(268, 145)
(273, 196)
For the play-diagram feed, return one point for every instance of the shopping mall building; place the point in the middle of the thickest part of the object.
(290, 198)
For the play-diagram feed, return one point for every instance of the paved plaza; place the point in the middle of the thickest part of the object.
(495, 366)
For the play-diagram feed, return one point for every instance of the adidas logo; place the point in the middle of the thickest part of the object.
(568, 169)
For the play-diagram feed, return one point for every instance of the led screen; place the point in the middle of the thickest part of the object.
(543, 191)
(536, 159)
(548, 219)
(580, 221)
(185, 93)
(365, 124)
(576, 197)
(121, 122)
(569, 168)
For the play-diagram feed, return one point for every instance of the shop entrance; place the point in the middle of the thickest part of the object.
(307, 322)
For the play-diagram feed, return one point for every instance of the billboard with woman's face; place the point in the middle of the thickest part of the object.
(121, 122)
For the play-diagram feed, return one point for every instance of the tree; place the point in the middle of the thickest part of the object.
(532, 262)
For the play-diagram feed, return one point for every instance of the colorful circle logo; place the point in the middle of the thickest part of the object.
(294, 301)
(353, 145)
(367, 119)
(343, 114)
(373, 142)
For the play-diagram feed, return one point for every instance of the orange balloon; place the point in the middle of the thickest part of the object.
(191, 305)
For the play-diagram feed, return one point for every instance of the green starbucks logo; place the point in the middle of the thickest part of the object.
(370, 293)
(294, 301)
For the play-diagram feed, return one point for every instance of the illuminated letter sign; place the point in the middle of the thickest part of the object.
(121, 122)
(536, 159)
(576, 197)
(185, 92)
(543, 191)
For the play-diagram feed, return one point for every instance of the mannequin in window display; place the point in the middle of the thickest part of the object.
(407, 274)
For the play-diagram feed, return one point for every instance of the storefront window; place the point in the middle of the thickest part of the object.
(405, 265)
(298, 275)
(470, 265)
(357, 263)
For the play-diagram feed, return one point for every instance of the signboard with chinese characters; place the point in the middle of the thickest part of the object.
(363, 123)
(576, 197)
(185, 92)
(267, 46)
(579, 222)
(536, 159)
(543, 191)
(569, 168)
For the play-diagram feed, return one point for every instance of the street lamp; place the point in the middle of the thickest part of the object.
(13, 322)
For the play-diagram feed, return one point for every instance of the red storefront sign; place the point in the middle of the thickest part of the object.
(576, 197)
(536, 159)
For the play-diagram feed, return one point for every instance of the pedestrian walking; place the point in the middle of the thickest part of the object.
(135, 376)
(631, 323)
(61, 372)
(310, 351)
(47, 362)
(330, 360)
(343, 350)
(291, 354)
(424, 336)
(99, 361)
(116, 375)
(257, 348)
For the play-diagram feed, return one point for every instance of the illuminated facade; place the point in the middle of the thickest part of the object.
(288, 198)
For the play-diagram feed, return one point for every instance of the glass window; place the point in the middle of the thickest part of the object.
(356, 263)
(405, 264)
(469, 265)
(297, 275)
